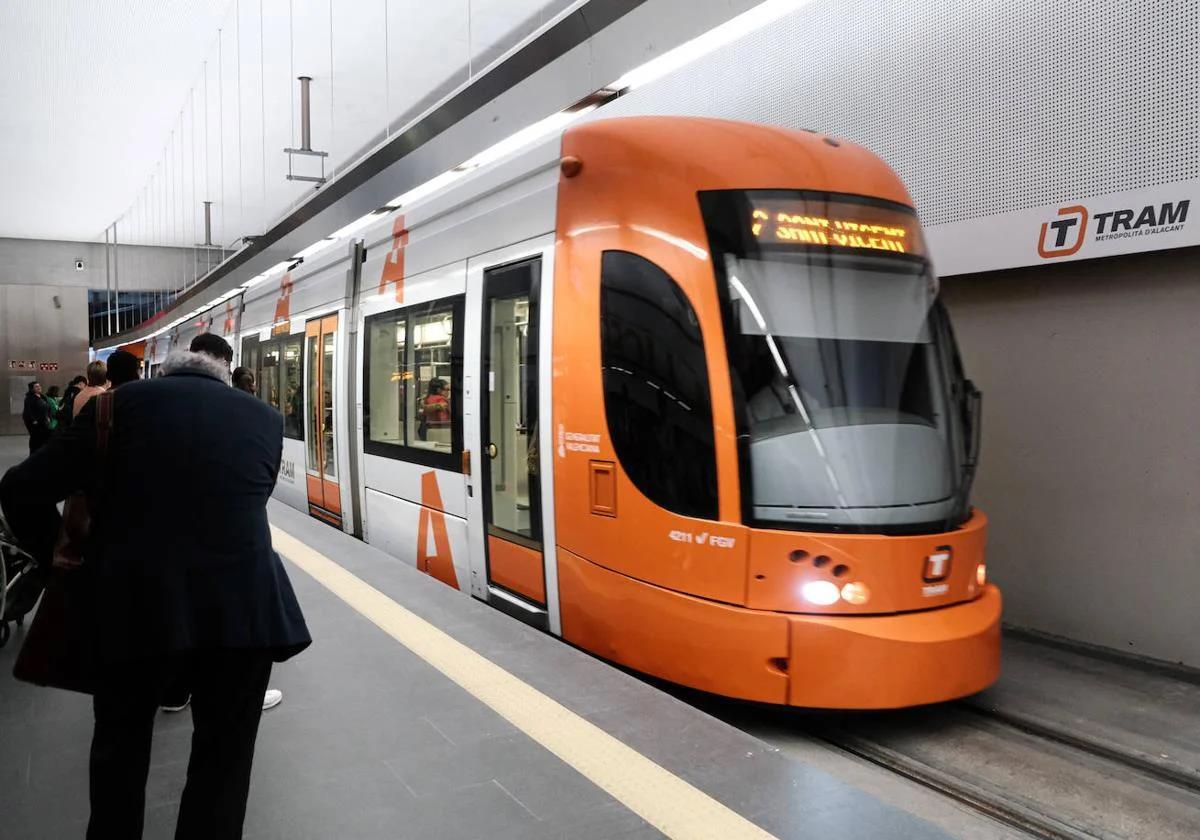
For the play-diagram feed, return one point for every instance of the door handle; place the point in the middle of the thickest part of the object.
(492, 450)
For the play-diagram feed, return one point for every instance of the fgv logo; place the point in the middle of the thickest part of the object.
(1066, 233)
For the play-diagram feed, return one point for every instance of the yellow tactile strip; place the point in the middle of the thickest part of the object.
(661, 798)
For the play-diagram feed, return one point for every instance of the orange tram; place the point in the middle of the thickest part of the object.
(700, 410)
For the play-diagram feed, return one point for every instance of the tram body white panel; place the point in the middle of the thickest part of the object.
(259, 312)
(497, 207)
(319, 289)
(444, 281)
(405, 480)
(506, 212)
(396, 529)
(290, 487)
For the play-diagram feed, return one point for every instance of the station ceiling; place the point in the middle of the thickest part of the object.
(113, 109)
(88, 93)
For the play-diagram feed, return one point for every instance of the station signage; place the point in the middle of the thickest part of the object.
(1156, 218)
(1075, 225)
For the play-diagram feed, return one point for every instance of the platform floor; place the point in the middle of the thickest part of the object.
(374, 738)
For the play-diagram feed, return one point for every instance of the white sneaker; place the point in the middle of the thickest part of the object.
(272, 698)
(186, 703)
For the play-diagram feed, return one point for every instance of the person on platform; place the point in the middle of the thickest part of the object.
(123, 367)
(54, 402)
(189, 586)
(178, 696)
(68, 402)
(243, 380)
(36, 415)
(97, 383)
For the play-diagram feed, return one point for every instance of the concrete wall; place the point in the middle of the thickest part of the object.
(1091, 451)
(141, 267)
(39, 324)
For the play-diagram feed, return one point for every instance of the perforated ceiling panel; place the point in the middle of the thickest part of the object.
(982, 107)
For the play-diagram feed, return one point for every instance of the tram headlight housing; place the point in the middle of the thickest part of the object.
(823, 593)
(981, 574)
(856, 593)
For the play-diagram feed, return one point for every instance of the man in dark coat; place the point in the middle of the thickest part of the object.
(36, 416)
(187, 584)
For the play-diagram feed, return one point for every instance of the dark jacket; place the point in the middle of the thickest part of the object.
(36, 414)
(67, 411)
(181, 550)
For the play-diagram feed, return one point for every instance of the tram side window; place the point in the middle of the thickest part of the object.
(291, 386)
(413, 373)
(278, 367)
(656, 392)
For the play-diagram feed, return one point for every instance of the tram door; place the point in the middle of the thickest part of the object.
(324, 492)
(508, 419)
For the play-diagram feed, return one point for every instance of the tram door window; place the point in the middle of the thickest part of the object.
(509, 414)
(250, 356)
(291, 394)
(324, 492)
(267, 381)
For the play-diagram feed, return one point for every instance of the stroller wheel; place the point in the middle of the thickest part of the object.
(5, 632)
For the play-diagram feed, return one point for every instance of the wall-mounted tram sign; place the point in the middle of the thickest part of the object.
(1151, 219)
(1065, 234)
(835, 224)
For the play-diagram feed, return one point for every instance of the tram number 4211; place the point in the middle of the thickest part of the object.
(703, 538)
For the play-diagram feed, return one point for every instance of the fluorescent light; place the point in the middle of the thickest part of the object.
(428, 188)
(526, 136)
(513, 143)
(702, 45)
(358, 224)
(315, 248)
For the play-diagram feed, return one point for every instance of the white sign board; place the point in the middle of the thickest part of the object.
(1151, 219)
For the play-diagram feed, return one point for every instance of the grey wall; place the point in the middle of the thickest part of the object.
(1091, 459)
(141, 267)
(33, 327)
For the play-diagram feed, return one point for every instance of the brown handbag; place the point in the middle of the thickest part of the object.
(58, 650)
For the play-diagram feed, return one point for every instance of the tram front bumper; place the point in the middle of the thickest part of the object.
(893, 661)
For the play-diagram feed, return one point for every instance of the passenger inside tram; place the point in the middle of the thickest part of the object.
(435, 410)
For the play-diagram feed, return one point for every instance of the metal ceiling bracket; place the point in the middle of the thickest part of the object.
(306, 148)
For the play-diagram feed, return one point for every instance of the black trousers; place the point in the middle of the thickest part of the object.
(37, 439)
(227, 693)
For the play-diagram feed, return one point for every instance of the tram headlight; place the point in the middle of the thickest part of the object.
(820, 592)
(856, 593)
(981, 574)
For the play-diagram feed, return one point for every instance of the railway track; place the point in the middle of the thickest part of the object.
(1038, 779)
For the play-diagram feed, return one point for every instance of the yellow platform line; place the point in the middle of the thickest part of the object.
(661, 798)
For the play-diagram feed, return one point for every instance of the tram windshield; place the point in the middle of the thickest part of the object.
(844, 368)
